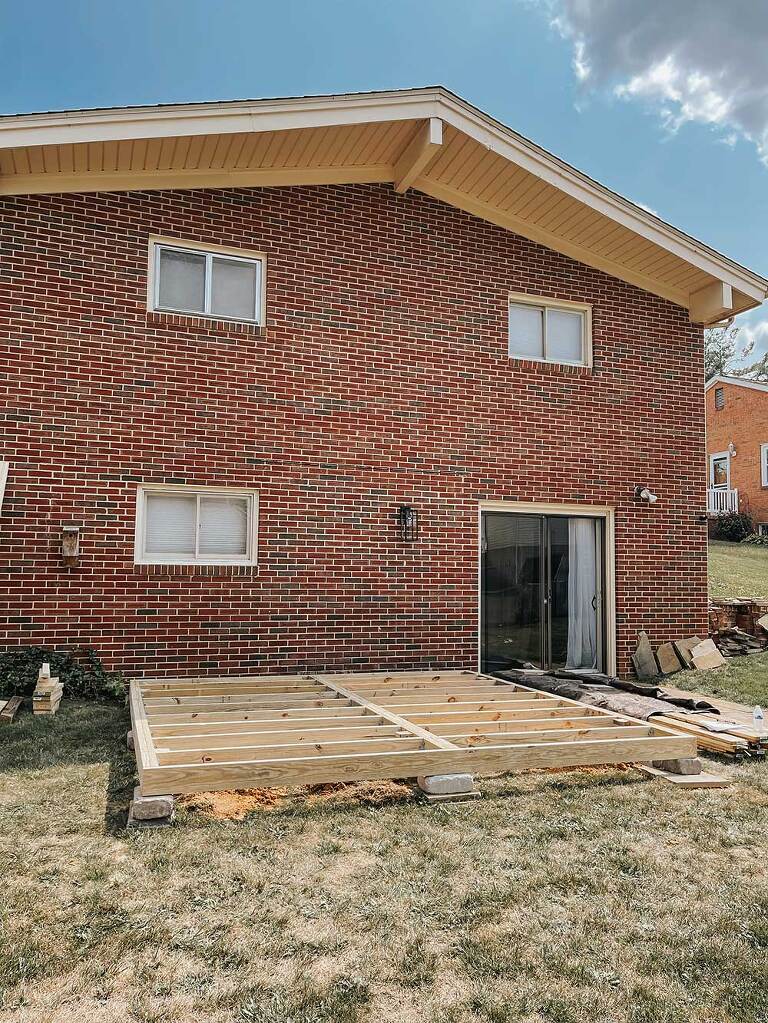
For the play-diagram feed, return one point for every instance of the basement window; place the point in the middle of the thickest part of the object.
(178, 525)
(550, 331)
(216, 282)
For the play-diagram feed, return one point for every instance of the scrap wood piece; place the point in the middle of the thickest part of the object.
(687, 781)
(644, 659)
(10, 709)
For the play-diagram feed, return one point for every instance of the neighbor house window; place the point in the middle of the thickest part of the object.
(720, 470)
(549, 331)
(186, 526)
(764, 464)
(719, 398)
(206, 281)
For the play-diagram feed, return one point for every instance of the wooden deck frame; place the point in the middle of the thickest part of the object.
(216, 733)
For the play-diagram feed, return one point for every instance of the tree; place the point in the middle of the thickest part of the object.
(721, 350)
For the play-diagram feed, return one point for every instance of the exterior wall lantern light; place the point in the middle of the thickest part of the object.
(408, 522)
(645, 494)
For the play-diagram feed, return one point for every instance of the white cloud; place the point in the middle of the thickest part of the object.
(702, 61)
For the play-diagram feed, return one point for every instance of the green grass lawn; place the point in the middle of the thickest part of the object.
(592, 896)
(737, 570)
(595, 895)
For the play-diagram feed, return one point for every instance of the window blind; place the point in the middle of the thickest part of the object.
(223, 529)
(170, 524)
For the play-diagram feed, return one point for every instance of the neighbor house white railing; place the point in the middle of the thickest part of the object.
(720, 500)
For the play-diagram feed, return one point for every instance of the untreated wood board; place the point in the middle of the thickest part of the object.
(418, 724)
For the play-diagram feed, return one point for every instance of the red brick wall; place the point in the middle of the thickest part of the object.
(381, 378)
(743, 421)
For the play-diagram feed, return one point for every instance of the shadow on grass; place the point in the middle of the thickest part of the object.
(79, 734)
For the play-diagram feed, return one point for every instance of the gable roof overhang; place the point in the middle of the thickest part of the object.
(428, 139)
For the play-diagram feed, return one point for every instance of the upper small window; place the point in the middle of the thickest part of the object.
(719, 398)
(549, 331)
(179, 525)
(206, 282)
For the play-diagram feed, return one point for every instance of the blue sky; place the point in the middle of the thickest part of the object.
(556, 70)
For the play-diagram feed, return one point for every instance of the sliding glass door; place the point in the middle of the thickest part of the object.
(541, 591)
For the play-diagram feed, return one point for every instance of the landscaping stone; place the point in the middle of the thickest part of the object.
(129, 741)
(668, 660)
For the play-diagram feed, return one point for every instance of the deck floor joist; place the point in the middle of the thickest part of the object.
(203, 734)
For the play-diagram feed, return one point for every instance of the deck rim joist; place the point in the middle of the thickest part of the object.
(204, 734)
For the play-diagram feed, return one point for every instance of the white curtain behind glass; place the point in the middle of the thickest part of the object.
(582, 594)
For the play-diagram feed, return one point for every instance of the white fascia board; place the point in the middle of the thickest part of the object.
(549, 168)
(754, 385)
(215, 118)
(366, 108)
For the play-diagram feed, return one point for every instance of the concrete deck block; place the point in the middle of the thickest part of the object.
(684, 765)
(146, 808)
(453, 797)
(152, 822)
(446, 784)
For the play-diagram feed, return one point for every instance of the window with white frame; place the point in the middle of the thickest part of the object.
(764, 464)
(549, 331)
(214, 282)
(178, 525)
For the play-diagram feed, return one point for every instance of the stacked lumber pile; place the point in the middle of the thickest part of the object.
(48, 692)
(730, 728)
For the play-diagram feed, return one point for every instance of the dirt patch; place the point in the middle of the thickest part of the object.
(370, 793)
(232, 805)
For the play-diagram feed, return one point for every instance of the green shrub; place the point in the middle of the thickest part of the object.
(733, 526)
(81, 673)
(758, 539)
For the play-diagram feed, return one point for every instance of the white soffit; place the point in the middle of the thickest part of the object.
(427, 139)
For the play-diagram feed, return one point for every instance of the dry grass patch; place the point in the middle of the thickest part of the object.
(576, 897)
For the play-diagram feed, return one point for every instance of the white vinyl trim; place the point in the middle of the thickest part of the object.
(142, 558)
(555, 304)
(157, 245)
(4, 466)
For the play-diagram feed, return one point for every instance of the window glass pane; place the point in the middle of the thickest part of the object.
(526, 334)
(564, 330)
(719, 472)
(233, 291)
(223, 527)
(170, 524)
(182, 281)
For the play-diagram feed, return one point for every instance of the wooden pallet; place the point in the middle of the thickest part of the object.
(203, 734)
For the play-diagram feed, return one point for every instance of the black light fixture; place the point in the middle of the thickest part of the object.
(408, 521)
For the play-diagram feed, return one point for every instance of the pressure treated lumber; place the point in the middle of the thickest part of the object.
(193, 736)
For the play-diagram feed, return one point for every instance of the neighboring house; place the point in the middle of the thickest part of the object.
(737, 447)
(348, 382)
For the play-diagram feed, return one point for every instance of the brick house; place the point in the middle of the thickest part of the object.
(349, 382)
(737, 447)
